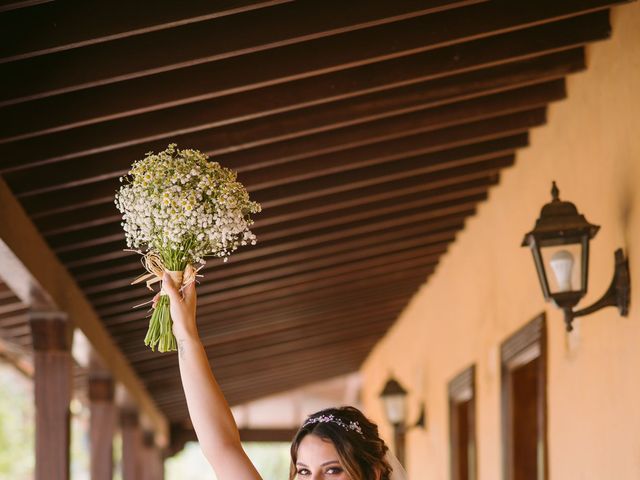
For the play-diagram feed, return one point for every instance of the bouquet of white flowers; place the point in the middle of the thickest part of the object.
(181, 208)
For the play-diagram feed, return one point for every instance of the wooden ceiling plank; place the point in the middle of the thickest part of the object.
(220, 321)
(269, 263)
(251, 36)
(291, 360)
(227, 37)
(407, 154)
(252, 320)
(129, 266)
(276, 197)
(428, 163)
(52, 225)
(390, 136)
(336, 144)
(384, 153)
(220, 328)
(404, 261)
(101, 150)
(19, 234)
(398, 272)
(176, 407)
(188, 101)
(314, 360)
(123, 302)
(487, 168)
(56, 27)
(122, 278)
(215, 327)
(441, 224)
(266, 361)
(366, 321)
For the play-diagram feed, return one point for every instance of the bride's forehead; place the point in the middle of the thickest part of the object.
(313, 446)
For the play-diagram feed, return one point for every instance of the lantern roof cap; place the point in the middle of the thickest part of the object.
(392, 387)
(559, 219)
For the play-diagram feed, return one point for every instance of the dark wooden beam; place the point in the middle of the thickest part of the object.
(189, 103)
(219, 321)
(230, 364)
(54, 224)
(183, 47)
(314, 367)
(399, 272)
(103, 192)
(258, 328)
(441, 162)
(388, 157)
(98, 148)
(267, 434)
(228, 37)
(306, 271)
(176, 406)
(405, 264)
(237, 268)
(122, 279)
(441, 224)
(130, 266)
(389, 304)
(282, 366)
(341, 144)
(58, 26)
(71, 245)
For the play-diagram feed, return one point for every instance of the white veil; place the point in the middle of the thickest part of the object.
(398, 473)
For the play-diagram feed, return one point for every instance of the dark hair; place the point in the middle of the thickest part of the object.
(363, 455)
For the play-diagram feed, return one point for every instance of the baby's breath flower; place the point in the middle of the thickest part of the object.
(178, 201)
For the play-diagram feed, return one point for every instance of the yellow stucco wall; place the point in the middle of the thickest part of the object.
(486, 288)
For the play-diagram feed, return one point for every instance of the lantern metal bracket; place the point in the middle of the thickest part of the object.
(422, 420)
(616, 296)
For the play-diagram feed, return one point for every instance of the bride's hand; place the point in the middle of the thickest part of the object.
(183, 308)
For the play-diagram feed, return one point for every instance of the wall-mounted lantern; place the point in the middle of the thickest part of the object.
(560, 246)
(394, 398)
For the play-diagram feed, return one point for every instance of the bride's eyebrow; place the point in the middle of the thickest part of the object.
(330, 462)
(302, 464)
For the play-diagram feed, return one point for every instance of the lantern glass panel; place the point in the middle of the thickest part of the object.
(563, 267)
(395, 406)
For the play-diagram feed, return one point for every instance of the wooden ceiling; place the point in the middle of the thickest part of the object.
(368, 130)
(14, 328)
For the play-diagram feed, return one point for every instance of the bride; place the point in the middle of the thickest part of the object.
(333, 444)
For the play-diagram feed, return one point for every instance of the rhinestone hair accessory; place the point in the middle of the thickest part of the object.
(354, 426)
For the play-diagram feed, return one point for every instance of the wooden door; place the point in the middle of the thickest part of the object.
(462, 425)
(524, 406)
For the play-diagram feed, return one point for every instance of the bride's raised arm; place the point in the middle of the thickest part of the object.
(214, 425)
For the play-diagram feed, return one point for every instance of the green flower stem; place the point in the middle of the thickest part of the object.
(160, 333)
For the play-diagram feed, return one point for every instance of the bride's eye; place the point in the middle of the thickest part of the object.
(303, 472)
(334, 471)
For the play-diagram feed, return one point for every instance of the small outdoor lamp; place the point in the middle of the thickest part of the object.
(560, 247)
(394, 398)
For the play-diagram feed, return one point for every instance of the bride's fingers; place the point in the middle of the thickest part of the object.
(170, 288)
(155, 299)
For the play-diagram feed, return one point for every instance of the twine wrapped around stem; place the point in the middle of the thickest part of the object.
(153, 264)
(160, 325)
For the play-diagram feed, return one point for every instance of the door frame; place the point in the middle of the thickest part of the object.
(462, 388)
(525, 345)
